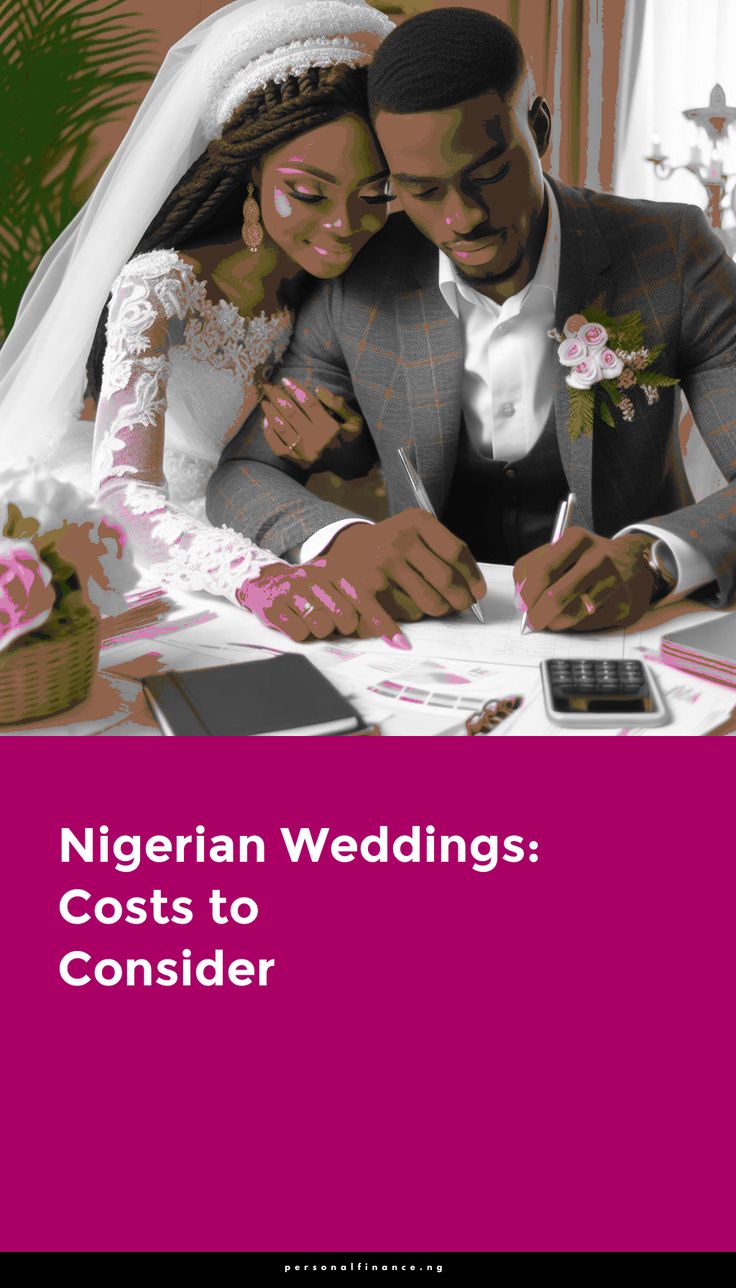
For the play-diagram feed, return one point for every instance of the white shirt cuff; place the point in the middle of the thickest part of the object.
(686, 562)
(319, 541)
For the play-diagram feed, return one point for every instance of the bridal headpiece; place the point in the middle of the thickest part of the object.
(204, 77)
(276, 45)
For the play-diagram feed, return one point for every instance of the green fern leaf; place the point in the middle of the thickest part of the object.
(655, 378)
(655, 352)
(595, 314)
(582, 412)
(606, 414)
(627, 332)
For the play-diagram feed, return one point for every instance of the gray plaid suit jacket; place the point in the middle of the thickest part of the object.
(383, 337)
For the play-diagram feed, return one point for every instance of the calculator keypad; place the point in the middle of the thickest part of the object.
(591, 684)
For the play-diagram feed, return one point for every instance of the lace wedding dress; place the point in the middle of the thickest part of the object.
(177, 374)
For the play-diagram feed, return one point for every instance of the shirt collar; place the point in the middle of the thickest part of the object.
(546, 277)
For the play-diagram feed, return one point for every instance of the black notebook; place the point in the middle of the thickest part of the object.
(281, 695)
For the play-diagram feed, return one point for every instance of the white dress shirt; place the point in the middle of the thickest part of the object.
(509, 373)
(509, 362)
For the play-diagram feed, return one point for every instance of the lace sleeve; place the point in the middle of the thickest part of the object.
(128, 460)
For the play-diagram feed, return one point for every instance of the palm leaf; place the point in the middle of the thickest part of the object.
(66, 68)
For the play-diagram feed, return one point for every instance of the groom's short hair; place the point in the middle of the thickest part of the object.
(442, 57)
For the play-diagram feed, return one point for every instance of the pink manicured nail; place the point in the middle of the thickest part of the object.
(324, 598)
(352, 593)
(298, 393)
(398, 641)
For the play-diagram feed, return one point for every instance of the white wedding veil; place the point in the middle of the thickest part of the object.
(204, 75)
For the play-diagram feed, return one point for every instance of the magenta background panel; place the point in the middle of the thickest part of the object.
(535, 1057)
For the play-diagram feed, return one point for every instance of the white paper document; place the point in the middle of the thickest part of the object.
(420, 695)
(455, 666)
(500, 639)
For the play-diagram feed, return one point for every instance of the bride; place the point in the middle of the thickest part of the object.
(249, 169)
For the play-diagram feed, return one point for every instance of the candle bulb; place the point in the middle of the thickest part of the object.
(715, 169)
(696, 157)
(656, 153)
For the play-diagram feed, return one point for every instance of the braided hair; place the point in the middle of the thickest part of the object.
(210, 195)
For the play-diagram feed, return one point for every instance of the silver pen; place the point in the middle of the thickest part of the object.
(424, 503)
(564, 515)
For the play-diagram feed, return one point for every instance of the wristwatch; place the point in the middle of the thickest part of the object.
(665, 579)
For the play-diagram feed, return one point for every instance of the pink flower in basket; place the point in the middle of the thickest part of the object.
(26, 593)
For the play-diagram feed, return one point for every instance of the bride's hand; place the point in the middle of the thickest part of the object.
(312, 601)
(300, 425)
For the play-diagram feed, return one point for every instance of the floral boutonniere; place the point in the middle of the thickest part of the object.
(607, 357)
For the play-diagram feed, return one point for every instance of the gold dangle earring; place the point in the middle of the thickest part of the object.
(252, 230)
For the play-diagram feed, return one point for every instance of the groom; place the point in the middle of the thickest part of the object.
(439, 333)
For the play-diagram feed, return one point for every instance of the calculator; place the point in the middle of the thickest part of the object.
(594, 692)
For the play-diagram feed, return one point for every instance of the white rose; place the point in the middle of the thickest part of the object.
(572, 351)
(594, 336)
(585, 374)
(609, 363)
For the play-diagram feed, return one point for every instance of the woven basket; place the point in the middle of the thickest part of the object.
(39, 677)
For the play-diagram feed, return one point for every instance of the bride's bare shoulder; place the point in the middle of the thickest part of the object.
(232, 273)
(194, 263)
(205, 257)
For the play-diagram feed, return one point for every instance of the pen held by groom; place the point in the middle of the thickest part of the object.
(583, 582)
(414, 565)
(581, 585)
(431, 331)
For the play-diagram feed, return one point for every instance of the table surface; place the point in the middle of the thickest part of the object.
(455, 665)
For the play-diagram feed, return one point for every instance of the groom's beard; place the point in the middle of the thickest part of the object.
(489, 278)
(477, 276)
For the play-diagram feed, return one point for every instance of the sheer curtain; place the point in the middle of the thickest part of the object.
(682, 48)
(686, 47)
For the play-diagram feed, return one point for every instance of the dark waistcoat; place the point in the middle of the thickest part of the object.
(504, 509)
